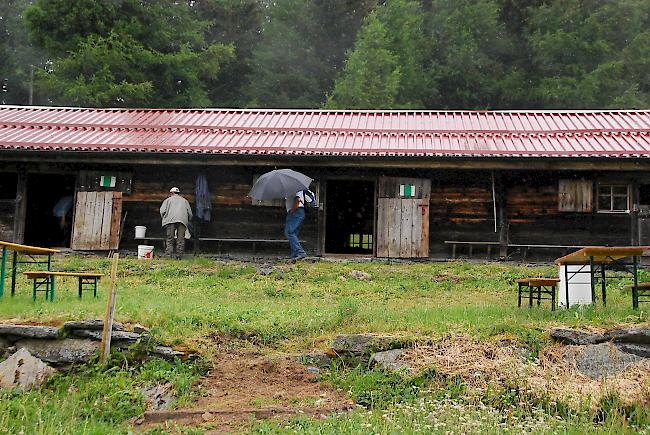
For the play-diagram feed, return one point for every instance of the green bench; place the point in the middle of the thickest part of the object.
(46, 278)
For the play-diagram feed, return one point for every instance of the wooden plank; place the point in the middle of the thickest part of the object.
(394, 227)
(406, 221)
(116, 219)
(27, 249)
(97, 217)
(107, 215)
(416, 230)
(383, 206)
(424, 235)
(79, 221)
(20, 210)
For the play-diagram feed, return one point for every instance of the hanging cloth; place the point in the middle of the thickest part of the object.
(202, 199)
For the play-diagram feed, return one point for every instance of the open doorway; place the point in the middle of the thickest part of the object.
(45, 193)
(349, 217)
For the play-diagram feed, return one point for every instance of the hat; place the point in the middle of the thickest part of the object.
(174, 190)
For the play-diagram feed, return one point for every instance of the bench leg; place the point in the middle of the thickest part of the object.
(453, 251)
(539, 295)
(552, 298)
(519, 296)
(80, 286)
(13, 273)
(34, 291)
(95, 288)
(530, 296)
(52, 281)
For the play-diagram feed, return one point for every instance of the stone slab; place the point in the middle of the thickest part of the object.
(13, 332)
(605, 359)
(60, 352)
(91, 325)
(577, 337)
(23, 371)
(629, 335)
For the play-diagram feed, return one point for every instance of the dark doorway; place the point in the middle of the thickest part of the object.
(44, 193)
(349, 216)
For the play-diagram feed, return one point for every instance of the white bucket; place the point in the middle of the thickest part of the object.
(140, 232)
(145, 252)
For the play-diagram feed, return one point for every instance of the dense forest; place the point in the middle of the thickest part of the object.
(340, 54)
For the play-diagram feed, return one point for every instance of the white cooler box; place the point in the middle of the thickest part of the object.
(579, 285)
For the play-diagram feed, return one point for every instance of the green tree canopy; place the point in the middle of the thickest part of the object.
(126, 53)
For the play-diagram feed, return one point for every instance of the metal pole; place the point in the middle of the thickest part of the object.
(593, 277)
(602, 271)
(566, 285)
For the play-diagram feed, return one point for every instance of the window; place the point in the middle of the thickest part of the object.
(613, 198)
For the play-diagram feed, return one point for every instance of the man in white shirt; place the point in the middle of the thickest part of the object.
(295, 215)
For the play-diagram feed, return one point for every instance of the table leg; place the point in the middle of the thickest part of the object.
(52, 280)
(453, 251)
(530, 296)
(13, 273)
(3, 270)
(519, 296)
(603, 284)
(566, 285)
(552, 298)
(593, 280)
(635, 289)
(539, 295)
(80, 286)
(95, 289)
(34, 291)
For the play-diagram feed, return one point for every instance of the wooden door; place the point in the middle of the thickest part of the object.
(96, 223)
(403, 217)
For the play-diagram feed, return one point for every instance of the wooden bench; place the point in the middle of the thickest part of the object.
(46, 278)
(471, 246)
(539, 286)
(221, 240)
(643, 291)
(535, 246)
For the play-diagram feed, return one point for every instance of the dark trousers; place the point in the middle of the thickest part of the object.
(179, 241)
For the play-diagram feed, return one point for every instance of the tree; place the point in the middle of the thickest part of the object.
(16, 54)
(303, 47)
(124, 54)
(591, 54)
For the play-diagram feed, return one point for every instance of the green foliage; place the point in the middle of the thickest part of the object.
(91, 399)
(124, 54)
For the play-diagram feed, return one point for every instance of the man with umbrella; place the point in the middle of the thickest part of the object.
(288, 185)
(295, 215)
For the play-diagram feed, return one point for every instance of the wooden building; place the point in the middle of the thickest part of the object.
(402, 184)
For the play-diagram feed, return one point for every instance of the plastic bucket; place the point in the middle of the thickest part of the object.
(145, 252)
(140, 232)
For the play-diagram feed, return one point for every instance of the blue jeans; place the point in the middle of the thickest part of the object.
(292, 231)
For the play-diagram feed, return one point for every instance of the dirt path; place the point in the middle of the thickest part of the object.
(243, 385)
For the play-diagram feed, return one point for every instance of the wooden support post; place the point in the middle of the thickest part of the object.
(20, 210)
(110, 311)
(502, 217)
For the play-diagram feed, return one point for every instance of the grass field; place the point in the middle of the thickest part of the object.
(297, 308)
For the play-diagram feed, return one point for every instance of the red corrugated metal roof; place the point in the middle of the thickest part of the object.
(320, 132)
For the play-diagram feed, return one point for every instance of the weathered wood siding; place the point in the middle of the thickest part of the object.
(7, 210)
(233, 215)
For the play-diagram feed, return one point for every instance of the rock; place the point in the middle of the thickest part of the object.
(9, 330)
(264, 270)
(388, 360)
(313, 370)
(365, 344)
(91, 325)
(4, 346)
(318, 359)
(642, 350)
(23, 371)
(357, 274)
(121, 337)
(629, 335)
(167, 353)
(604, 359)
(158, 397)
(139, 329)
(574, 336)
(60, 352)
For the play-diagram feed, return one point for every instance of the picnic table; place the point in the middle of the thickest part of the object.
(32, 254)
(593, 260)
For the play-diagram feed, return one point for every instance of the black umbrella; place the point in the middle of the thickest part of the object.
(281, 183)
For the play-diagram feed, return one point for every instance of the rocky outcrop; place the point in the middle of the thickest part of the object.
(605, 359)
(576, 337)
(23, 371)
(77, 342)
(389, 361)
(364, 345)
(10, 331)
(629, 335)
(60, 352)
(90, 325)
